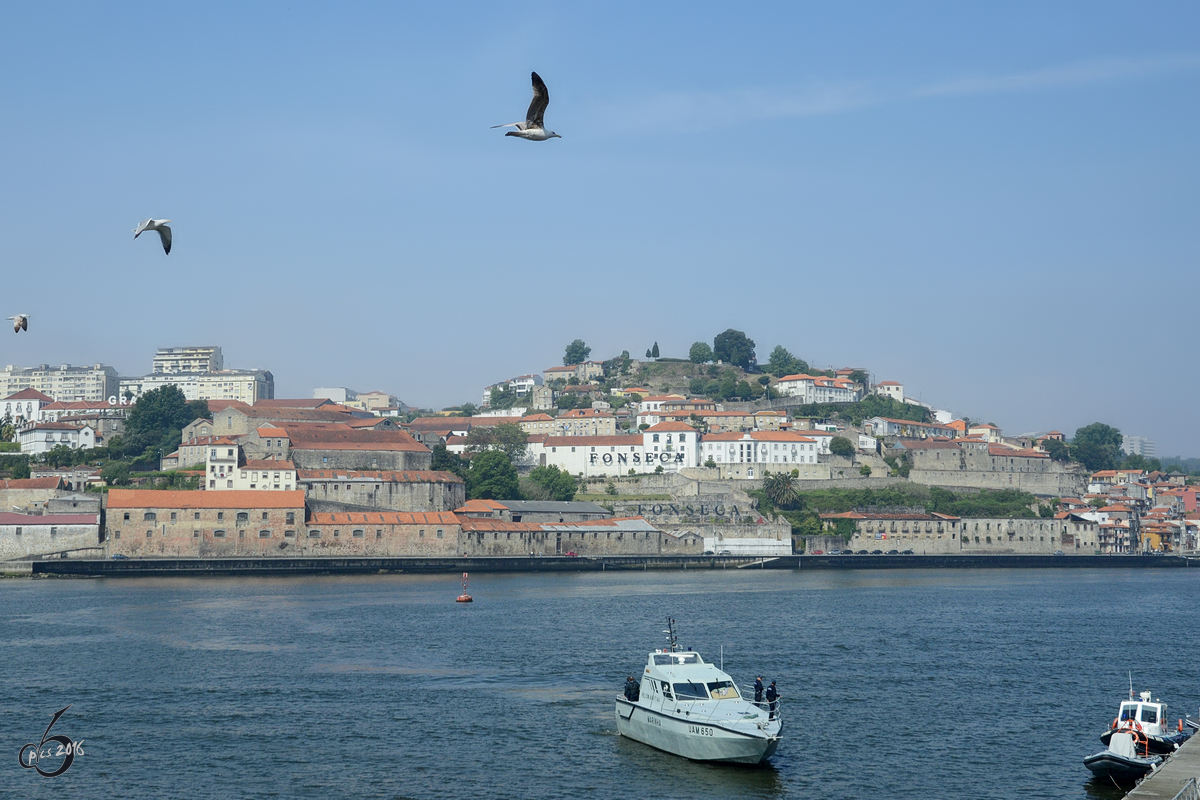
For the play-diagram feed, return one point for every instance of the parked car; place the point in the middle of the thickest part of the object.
(726, 553)
(571, 554)
(817, 553)
(906, 552)
(893, 552)
(876, 552)
(862, 552)
(835, 552)
(1059, 553)
(119, 556)
(708, 553)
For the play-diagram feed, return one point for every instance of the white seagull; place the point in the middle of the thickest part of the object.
(20, 323)
(533, 128)
(159, 225)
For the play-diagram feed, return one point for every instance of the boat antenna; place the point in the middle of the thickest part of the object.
(672, 641)
(1130, 684)
(722, 658)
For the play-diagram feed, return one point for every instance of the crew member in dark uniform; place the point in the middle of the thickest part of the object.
(773, 699)
(631, 689)
(758, 690)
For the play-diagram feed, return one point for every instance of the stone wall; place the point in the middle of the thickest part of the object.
(585, 543)
(391, 495)
(204, 532)
(46, 536)
(980, 537)
(305, 458)
(1044, 484)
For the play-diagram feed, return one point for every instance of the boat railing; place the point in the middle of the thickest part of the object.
(1190, 790)
(717, 705)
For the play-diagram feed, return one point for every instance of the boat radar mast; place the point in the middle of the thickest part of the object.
(672, 640)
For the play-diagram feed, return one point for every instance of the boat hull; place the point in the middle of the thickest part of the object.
(1159, 745)
(1106, 763)
(690, 739)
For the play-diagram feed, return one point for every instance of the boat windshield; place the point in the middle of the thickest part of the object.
(691, 689)
(722, 690)
(666, 659)
(1149, 714)
(1128, 711)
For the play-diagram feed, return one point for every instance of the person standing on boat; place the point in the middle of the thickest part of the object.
(758, 690)
(772, 699)
(631, 689)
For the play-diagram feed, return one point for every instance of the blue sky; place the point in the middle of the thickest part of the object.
(996, 205)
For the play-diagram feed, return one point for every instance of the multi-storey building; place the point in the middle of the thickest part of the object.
(65, 382)
(244, 385)
(170, 360)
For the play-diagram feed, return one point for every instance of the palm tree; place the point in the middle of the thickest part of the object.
(780, 487)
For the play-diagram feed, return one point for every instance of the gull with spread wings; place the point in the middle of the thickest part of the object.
(20, 323)
(533, 128)
(159, 225)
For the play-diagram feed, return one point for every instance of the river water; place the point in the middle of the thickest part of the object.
(895, 684)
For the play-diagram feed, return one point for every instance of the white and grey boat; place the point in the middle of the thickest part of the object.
(687, 706)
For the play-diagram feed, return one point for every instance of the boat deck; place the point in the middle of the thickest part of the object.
(1168, 780)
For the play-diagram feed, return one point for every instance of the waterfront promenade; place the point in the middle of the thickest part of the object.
(1170, 779)
(433, 565)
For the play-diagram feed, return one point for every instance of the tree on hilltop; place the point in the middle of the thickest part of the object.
(782, 362)
(577, 353)
(700, 353)
(1097, 446)
(734, 347)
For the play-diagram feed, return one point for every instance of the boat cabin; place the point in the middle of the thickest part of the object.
(1145, 712)
(684, 676)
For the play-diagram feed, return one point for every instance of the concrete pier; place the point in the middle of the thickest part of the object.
(250, 565)
(1169, 779)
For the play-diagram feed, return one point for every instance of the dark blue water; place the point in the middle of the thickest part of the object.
(914, 684)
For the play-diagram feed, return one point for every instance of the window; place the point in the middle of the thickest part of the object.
(314, 534)
(378, 534)
(220, 515)
(439, 535)
(420, 534)
(264, 534)
(358, 533)
(195, 534)
(289, 534)
(127, 516)
(291, 517)
(218, 534)
(264, 516)
(241, 534)
(18, 531)
(337, 533)
(195, 515)
(243, 516)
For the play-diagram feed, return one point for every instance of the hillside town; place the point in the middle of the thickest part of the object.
(712, 454)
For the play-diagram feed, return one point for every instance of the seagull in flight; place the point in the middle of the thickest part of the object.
(159, 225)
(20, 323)
(533, 128)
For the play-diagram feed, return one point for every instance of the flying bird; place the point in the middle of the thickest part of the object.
(159, 225)
(20, 323)
(533, 128)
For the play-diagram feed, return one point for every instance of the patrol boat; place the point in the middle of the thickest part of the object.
(688, 707)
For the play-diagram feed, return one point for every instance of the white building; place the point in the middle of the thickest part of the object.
(338, 394)
(42, 437)
(64, 382)
(187, 359)
(655, 403)
(26, 404)
(672, 445)
(1137, 446)
(245, 385)
(892, 389)
(590, 455)
(817, 389)
(271, 474)
(760, 447)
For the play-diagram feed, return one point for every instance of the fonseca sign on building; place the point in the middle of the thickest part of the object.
(635, 458)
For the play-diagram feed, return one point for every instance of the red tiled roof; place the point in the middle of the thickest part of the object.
(267, 464)
(9, 518)
(479, 506)
(669, 426)
(31, 394)
(215, 406)
(537, 418)
(30, 483)
(248, 498)
(586, 413)
(759, 436)
(270, 431)
(315, 402)
(386, 476)
(381, 518)
(335, 436)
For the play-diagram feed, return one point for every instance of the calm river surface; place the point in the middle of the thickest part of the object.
(896, 684)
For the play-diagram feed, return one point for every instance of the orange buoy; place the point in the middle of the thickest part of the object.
(464, 597)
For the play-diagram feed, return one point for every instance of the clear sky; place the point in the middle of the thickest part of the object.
(996, 204)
